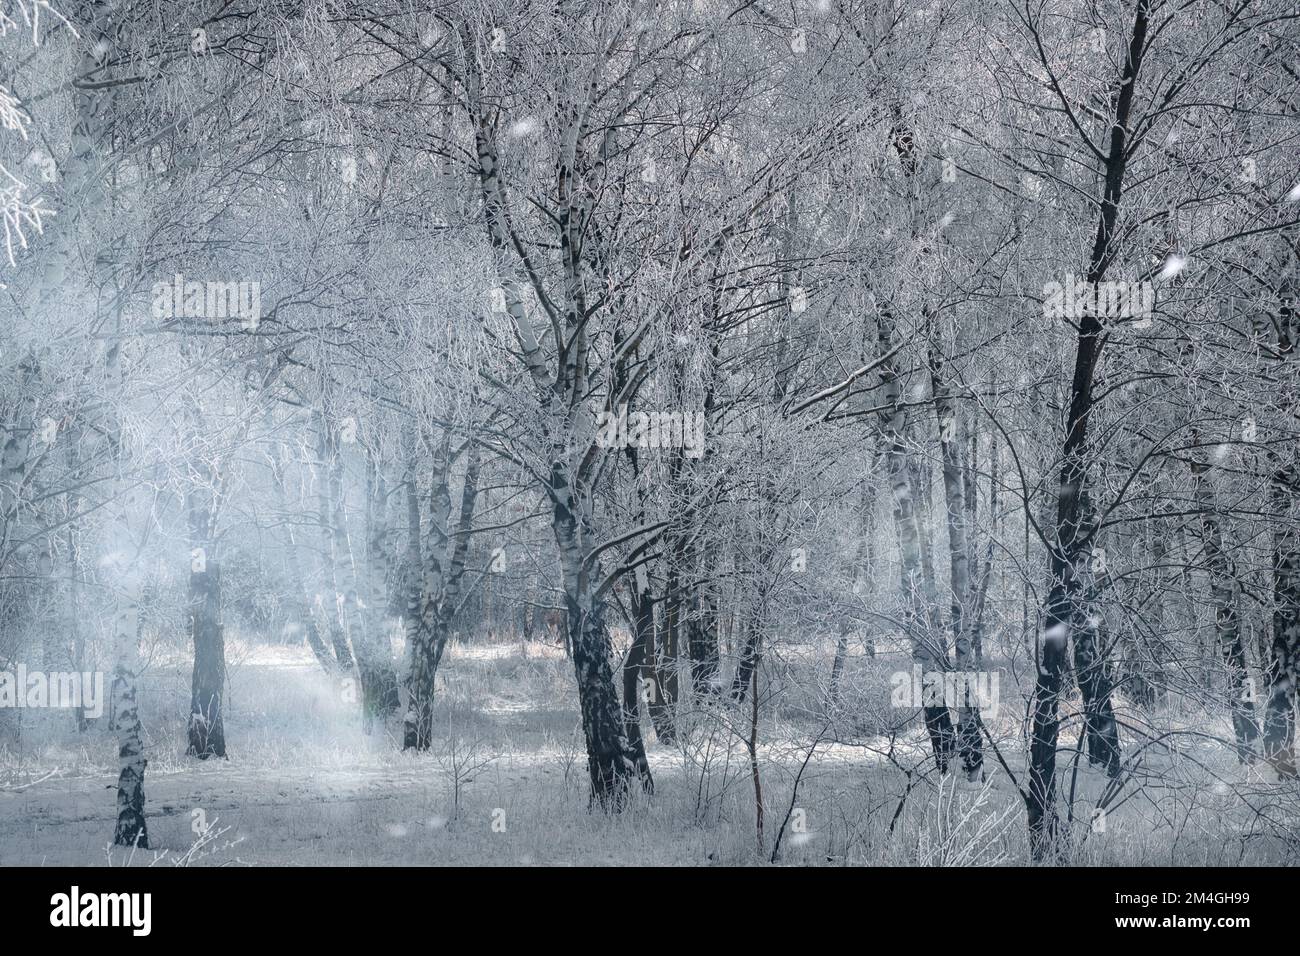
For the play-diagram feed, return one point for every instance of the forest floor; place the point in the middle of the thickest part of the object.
(505, 782)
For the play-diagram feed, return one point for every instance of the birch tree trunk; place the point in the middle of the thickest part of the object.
(928, 650)
(611, 761)
(379, 570)
(330, 598)
(131, 829)
(436, 593)
(85, 196)
(968, 731)
(641, 667)
(293, 562)
(639, 671)
(375, 669)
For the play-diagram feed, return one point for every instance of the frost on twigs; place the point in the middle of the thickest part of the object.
(19, 216)
(32, 14)
(12, 115)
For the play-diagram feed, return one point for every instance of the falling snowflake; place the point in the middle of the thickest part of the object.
(522, 128)
(1173, 265)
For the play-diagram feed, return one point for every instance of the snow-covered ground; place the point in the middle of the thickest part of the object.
(505, 783)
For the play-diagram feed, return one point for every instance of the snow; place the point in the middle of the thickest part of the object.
(305, 786)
